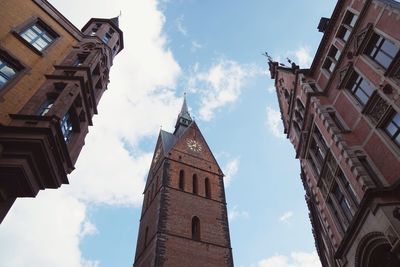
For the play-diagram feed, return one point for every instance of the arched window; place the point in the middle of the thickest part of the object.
(146, 233)
(195, 228)
(182, 180)
(195, 184)
(207, 188)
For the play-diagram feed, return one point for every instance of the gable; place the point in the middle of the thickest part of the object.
(193, 143)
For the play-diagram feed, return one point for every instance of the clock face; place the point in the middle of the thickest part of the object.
(156, 156)
(194, 145)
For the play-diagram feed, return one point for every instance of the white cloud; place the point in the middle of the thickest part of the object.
(45, 232)
(303, 56)
(179, 25)
(195, 46)
(296, 259)
(274, 122)
(271, 89)
(230, 169)
(286, 217)
(220, 85)
(234, 214)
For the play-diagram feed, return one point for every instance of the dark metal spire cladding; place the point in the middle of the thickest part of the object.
(184, 118)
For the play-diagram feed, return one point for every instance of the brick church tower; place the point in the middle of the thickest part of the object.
(184, 218)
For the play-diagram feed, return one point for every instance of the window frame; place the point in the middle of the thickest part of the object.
(69, 127)
(346, 26)
(387, 122)
(17, 65)
(331, 59)
(44, 26)
(352, 82)
(377, 45)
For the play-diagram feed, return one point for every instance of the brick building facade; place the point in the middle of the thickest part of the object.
(343, 117)
(52, 76)
(184, 217)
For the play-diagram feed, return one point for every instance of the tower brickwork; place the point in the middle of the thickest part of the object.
(184, 218)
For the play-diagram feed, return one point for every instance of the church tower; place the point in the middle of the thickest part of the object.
(184, 218)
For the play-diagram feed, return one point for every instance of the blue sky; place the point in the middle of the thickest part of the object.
(212, 50)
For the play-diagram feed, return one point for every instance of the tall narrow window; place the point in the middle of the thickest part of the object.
(195, 184)
(182, 180)
(331, 59)
(347, 26)
(38, 36)
(66, 127)
(360, 88)
(381, 50)
(45, 107)
(343, 203)
(207, 187)
(196, 228)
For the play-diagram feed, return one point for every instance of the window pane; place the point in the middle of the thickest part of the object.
(391, 129)
(383, 59)
(46, 38)
(7, 71)
(36, 28)
(2, 81)
(353, 20)
(390, 48)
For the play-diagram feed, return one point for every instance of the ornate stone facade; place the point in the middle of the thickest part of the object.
(343, 117)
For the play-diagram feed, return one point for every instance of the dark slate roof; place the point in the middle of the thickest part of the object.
(168, 140)
(115, 21)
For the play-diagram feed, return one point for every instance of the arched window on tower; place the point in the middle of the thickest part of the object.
(195, 184)
(207, 188)
(195, 228)
(182, 180)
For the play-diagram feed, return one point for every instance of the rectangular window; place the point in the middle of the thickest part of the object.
(66, 127)
(346, 185)
(38, 36)
(347, 26)
(360, 88)
(331, 59)
(317, 151)
(392, 128)
(80, 59)
(381, 50)
(46, 106)
(343, 203)
(106, 38)
(7, 72)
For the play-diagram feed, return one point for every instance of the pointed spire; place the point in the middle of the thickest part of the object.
(184, 118)
(184, 110)
(115, 21)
